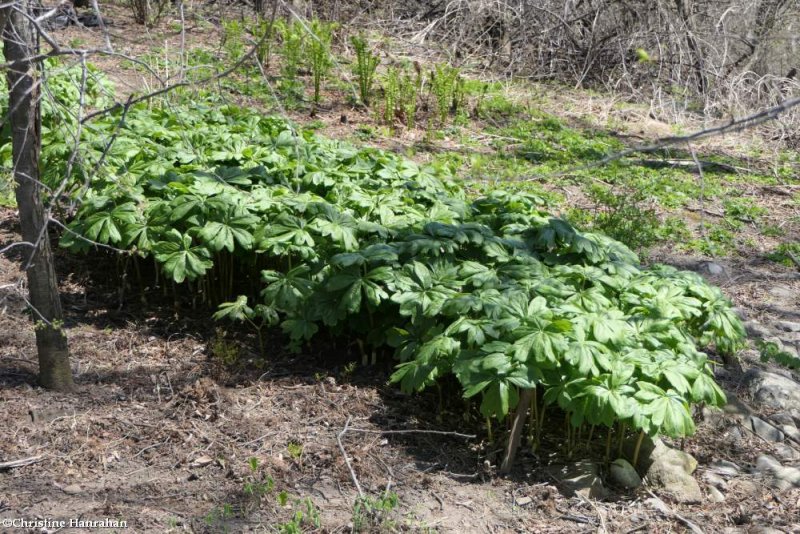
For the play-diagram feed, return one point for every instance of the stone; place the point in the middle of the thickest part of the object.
(791, 431)
(712, 268)
(786, 453)
(715, 495)
(788, 326)
(783, 294)
(782, 478)
(744, 486)
(671, 472)
(72, 489)
(725, 468)
(782, 418)
(764, 430)
(756, 329)
(623, 474)
(522, 501)
(772, 390)
(581, 478)
(715, 480)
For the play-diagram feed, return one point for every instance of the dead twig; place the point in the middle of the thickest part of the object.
(662, 507)
(347, 458)
(413, 431)
(20, 463)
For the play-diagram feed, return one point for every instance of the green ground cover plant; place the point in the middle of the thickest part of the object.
(325, 239)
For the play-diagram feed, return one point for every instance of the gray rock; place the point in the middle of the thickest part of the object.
(788, 326)
(712, 268)
(761, 428)
(745, 486)
(725, 468)
(756, 329)
(773, 390)
(782, 418)
(671, 472)
(791, 432)
(784, 294)
(72, 489)
(782, 478)
(786, 453)
(714, 495)
(623, 474)
(581, 478)
(715, 480)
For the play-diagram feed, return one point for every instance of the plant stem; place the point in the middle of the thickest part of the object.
(638, 448)
(516, 430)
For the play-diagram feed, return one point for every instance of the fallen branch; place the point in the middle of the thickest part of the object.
(20, 463)
(689, 164)
(412, 431)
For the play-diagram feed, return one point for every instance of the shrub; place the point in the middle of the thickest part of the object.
(148, 12)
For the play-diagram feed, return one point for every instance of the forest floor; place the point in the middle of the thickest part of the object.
(176, 428)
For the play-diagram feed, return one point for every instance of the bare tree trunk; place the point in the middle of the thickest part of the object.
(684, 8)
(23, 86)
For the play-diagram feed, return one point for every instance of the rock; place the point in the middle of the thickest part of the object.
(786, 453)
(740, 312)
(744, 486)
(581, 478)
(72, 489)
(773, 390)
(522, 501)
(725, 468)
(788, 326)
(715, 480)
(671, 472)
(712, 268)
(783, 478)
(202, 461)
(756, 329)
(783, 294)
(791, 431)
(623, 474)
(782, 418)
(714, 495)
(761, 428)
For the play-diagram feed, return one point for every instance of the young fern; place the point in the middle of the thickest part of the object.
(408, 89)
(293, 41)
(391, 94)
(233, 39)
(447, 87)
(263, 31)
(365, 67)
(319, 53)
